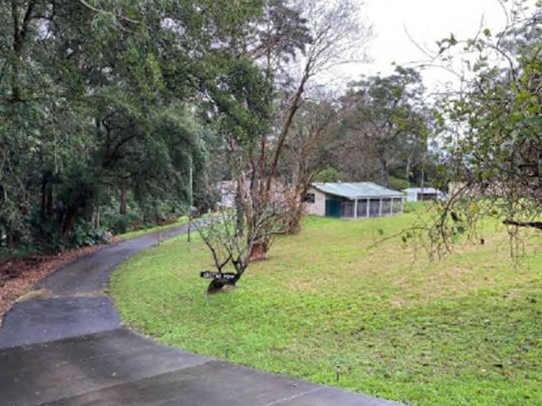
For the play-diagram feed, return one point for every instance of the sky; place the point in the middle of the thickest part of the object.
(425, 21)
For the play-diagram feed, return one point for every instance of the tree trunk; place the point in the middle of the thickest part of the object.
(294, 223)
(11, 240)
(384, 171)
(69, 221)
(46, 196)
(123, 197)
(257, 252)
(43, 196)
(49, 201)
(239, 208)
(96, 217)
(294, 106)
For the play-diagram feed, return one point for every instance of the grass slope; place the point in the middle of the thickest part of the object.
(462, 331)
(138, 233)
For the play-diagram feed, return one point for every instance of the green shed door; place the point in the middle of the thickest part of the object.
(333, 208)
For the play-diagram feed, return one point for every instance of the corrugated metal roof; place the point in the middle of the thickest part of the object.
(357, 190)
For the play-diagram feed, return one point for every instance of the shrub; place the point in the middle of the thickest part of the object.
(398, 183)
(86, 235)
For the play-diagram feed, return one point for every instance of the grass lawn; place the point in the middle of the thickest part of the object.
(466, 330)
(138, 233)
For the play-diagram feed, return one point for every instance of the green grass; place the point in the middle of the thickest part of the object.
(138, 233)
(466, 330)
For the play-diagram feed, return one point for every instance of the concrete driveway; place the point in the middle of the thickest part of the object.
(67, 347)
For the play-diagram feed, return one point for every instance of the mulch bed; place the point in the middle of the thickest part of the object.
(18, 275)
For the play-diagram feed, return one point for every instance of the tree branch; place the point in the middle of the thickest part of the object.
(532, 224)
(118, 17)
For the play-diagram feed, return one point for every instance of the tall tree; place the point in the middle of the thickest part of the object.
(311, 133)
(93, 99)
(385, 127)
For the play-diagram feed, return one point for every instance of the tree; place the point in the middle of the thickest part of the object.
(232, 247)
(311, 132)
(94, 108)
(385, 127)
(240, 107)
(494, 148)
(338, 35)
(254, 111)
(308, 42)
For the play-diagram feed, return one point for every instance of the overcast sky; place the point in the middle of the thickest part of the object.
(426, 21)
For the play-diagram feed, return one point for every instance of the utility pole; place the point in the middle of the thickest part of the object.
(190, 199)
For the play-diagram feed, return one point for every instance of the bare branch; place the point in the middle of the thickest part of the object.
(532, 224)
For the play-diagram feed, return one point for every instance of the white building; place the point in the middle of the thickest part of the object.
(422, 194)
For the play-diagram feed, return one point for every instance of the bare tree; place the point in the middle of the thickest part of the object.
(293, 44)
(338, 37)
(310, 133)
(233, 247)
(338, 34)
(321, 36)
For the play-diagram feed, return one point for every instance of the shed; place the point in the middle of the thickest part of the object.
(422, 194)
(353, 200)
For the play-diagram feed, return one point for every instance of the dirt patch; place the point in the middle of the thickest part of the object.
(17, 276)
(397, 301)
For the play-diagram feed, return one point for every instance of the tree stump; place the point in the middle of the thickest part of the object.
(257, 252)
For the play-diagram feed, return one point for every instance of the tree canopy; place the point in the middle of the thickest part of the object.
(385, 127)
(97, 109)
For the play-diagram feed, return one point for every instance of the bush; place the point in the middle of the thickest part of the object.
(85, 235)
(328, 174)
(398, 183)
(121, 223)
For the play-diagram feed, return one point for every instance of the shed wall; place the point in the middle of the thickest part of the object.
(319, 206)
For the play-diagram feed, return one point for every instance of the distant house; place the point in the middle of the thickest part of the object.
(422, 194)
(353, 200)
(228, 189)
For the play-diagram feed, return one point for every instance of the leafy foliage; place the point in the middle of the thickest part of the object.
(97, 105)
(494, 148)
(385, 129)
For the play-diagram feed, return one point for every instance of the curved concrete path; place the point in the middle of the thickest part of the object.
(66, 346)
